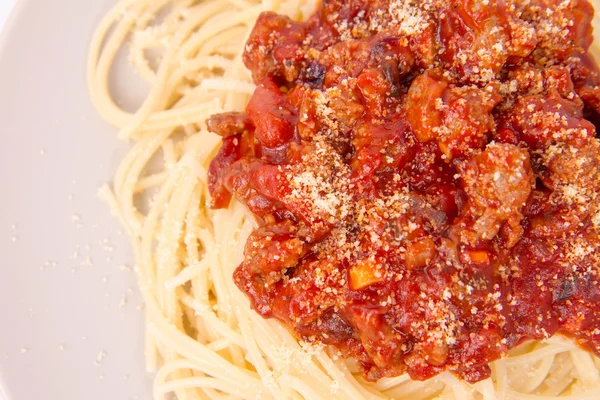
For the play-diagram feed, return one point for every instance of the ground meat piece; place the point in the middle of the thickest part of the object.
(498, 183)
(228, 124)
(563, 29)
(479, 37)
(547, 118)
(467, 120)
(267, 55)
(457, 118)
(274, 248)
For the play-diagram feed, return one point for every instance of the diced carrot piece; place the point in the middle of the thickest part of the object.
(478, 256)
(363, 274)
(420, 253)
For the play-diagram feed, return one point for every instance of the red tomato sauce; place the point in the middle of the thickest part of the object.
(425, 177)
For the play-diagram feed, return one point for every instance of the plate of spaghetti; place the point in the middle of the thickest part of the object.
(336, 199)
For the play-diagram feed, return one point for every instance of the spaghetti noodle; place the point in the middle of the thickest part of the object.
(202, 338)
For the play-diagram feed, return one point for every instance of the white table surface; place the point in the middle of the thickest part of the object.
(5, 8)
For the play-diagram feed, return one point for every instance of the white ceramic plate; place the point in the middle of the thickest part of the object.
(69, 327)
(5, 7)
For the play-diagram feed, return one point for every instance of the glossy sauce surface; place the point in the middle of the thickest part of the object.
(425, 176)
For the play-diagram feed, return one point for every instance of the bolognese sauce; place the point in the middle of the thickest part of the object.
(425, 178)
